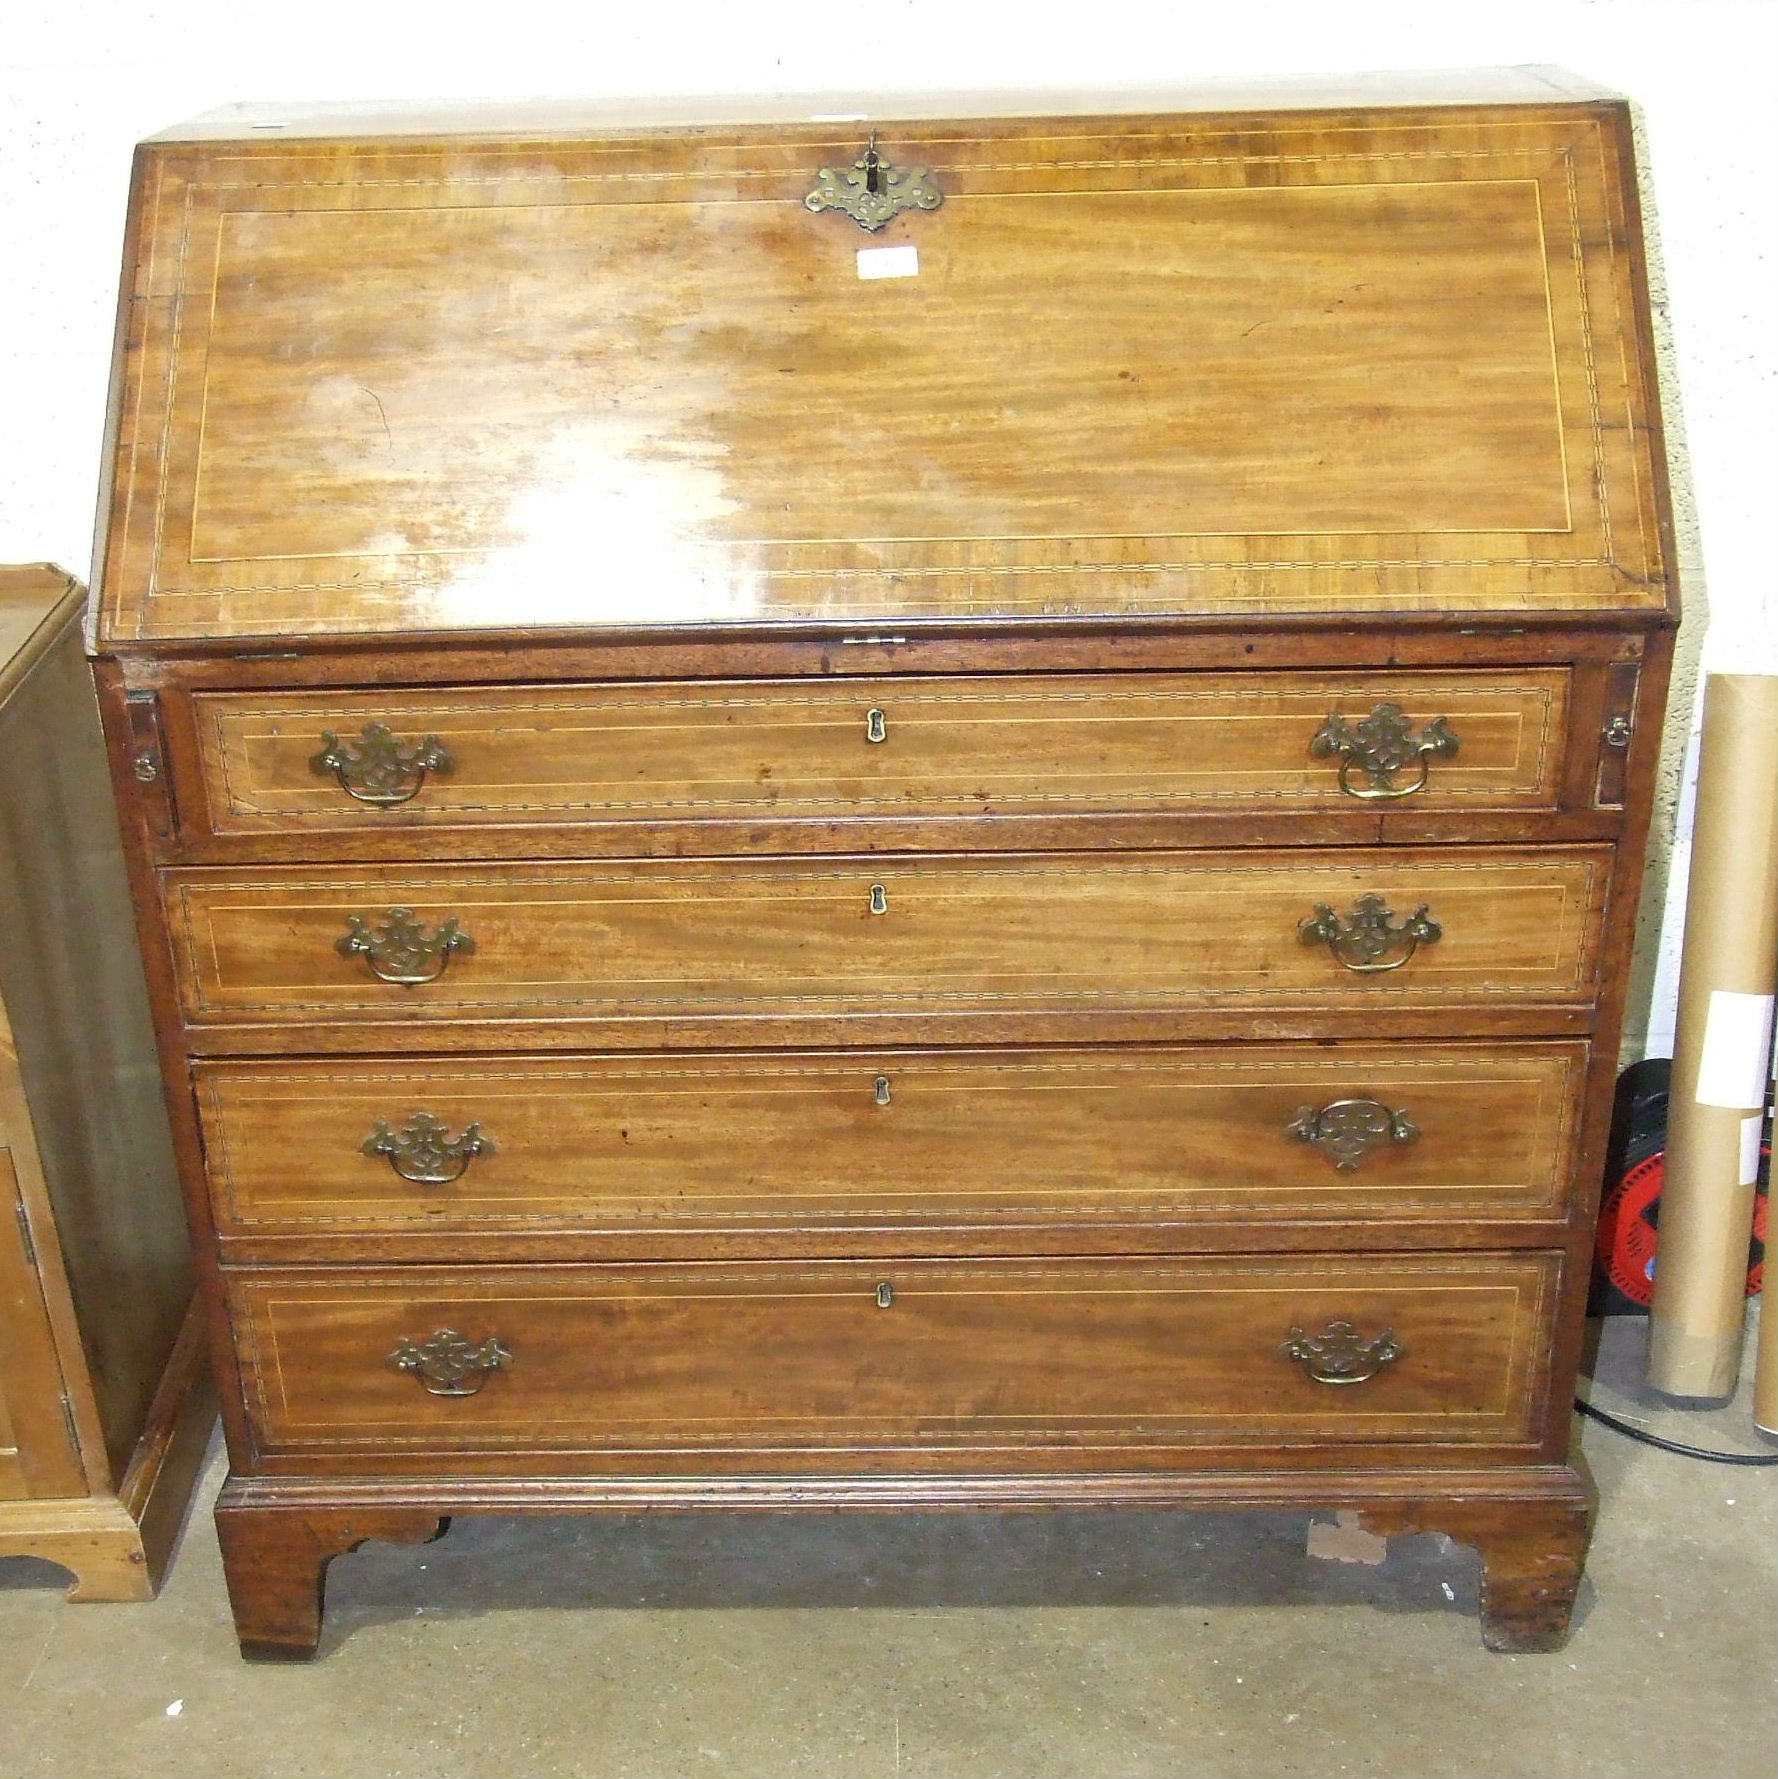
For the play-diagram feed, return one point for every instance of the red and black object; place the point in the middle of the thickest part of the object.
(1630, 1216)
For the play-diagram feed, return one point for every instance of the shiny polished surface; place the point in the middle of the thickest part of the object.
(412, 386)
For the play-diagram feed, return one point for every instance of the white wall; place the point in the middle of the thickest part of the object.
(81, 80)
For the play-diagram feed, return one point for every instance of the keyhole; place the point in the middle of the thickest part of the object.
(876, 726)
(882, 1090)
(879, 899)
(885, 1295)
(873, 178)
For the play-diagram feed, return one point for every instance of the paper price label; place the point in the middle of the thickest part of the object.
(1737, 1057)
(1751, 1131)
(889, 262)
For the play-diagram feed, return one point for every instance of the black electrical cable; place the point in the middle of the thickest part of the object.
(1630, 1431)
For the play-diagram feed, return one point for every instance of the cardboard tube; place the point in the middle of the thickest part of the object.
(1722, 1049)
(1765, 1366)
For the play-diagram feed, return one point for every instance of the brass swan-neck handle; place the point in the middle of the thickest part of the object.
(1380, 748)
(379, 768)
(1370, 940)
(401, 950)
(424, 1152)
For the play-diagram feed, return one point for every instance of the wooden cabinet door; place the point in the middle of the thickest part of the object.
(37, 1452)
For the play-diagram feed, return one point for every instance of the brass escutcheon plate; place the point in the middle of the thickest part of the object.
(872, 192)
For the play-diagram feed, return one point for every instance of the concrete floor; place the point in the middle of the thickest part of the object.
(1074, 1645)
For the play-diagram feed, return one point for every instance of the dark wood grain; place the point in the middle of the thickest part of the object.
(1001, 1364)
(1088, 933)
(276, 1565)
(1530, 1524)
(1531, 1552)
(786, 1147)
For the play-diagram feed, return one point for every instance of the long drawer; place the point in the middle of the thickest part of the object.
(1069, 931)
(1006, 744)
(317, 1152)
(1101, 1362)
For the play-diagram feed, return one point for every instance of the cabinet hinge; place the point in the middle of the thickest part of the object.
(24, 1221)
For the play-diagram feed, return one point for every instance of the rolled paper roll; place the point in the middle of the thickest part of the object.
(1722, 1048)
(1765, 1369)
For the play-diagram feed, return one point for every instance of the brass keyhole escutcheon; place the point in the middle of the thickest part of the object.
(876, 726)
(885, 1295)
(872, 191)
(879, 899)
(882, 1090)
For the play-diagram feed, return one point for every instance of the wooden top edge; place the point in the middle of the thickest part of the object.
(922, 630)
(37, 601)
(272, 122)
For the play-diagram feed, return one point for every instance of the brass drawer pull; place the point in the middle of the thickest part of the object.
(424, 1153)
(1348, 1130)
(449, 1364)
(871, 191)
(1380, 747)
(876, 726)
(1338, 1356)
(879, 899)
(377, 768)
(401, 950)
(1365, 941)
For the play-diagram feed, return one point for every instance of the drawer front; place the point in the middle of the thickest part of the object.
(806, 749)
(1078, 932)
(1105, 1359)
(1263, 1134)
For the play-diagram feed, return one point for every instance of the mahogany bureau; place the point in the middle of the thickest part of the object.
(875, 813)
